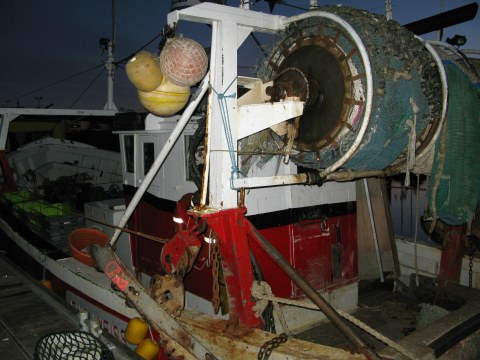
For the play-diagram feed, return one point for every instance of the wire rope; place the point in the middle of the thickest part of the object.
(88, 87)
(53, 83)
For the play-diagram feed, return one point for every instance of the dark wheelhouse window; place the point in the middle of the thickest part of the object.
(148, 156)
(129, 153)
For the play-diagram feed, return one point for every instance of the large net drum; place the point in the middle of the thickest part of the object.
(372, 89)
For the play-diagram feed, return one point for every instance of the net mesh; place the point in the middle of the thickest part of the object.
(454, 185)
(71, 345)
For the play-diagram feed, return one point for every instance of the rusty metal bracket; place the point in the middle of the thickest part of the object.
(168, 291)
(237, 268)
(179, 253)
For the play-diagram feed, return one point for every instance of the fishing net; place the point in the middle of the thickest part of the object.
(71, 345)
(454, 185)
(406, 89)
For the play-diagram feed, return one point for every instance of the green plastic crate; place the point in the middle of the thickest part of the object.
(29, 206)
(10, 199)
(53, 210)
(18, 196)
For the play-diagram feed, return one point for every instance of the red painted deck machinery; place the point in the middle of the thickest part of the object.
(322, 248)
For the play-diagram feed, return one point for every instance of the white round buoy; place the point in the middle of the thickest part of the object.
(183, 61)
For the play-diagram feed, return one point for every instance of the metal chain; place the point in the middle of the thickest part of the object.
(270, 345)
(470, 270)
(471, 250)
(215, 276)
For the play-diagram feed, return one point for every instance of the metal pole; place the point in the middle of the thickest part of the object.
(374, 230)
(440, 32)
(172, 139)
(388, 9)
(110, 65)
(310, 292)
(114, 23)
(110, 105)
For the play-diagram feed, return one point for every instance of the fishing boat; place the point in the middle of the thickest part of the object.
(239, 225)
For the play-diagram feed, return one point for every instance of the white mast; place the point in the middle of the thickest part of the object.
(388, 10)
(110, 64)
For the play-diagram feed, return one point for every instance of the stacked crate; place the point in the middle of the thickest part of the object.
(8, 200)
(52, 222)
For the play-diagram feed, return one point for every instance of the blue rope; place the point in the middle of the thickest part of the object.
(222, 103)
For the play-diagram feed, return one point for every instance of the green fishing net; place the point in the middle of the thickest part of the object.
(454, 185)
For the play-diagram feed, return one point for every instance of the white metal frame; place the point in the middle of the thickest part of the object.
(226, 21)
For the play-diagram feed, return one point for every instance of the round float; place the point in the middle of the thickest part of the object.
(183, 61)
(144, 72)
(167, 99)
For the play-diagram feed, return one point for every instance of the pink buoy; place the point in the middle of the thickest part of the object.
(183, 61)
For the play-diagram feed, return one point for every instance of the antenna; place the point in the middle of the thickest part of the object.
(110, 64)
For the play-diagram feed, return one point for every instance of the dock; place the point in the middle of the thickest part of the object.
(29, 311)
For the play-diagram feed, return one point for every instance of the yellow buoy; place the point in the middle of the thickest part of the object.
(147, 349)
(46, 283)
(165, 100)
(136, 330)
(144, 72)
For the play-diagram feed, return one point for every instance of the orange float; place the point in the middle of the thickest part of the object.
(148, 349)
(136, 330)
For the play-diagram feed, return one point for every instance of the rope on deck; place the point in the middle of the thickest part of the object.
(262, 291)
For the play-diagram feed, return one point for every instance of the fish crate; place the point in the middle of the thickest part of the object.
(52, 222)
(22, 210)
(10, 199)
(55, 216)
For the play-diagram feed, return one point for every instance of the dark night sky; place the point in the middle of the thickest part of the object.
(45, 41)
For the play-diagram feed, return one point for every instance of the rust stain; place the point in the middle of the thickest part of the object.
(183, 338)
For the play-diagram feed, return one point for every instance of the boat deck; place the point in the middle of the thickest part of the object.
(29, 311)
(391, 313)
(394, 314)
(406, 316)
